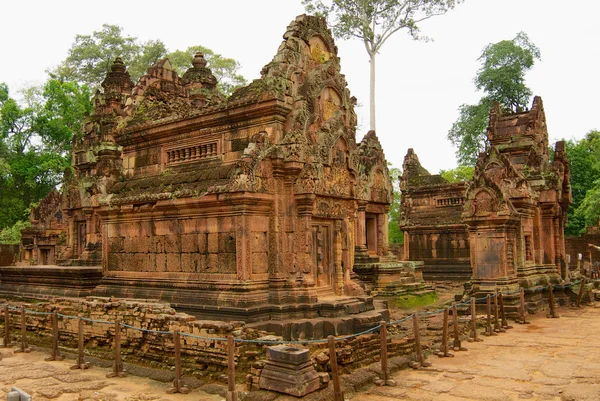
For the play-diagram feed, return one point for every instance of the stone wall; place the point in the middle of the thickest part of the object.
(398, 250)
(579, 245)
(200, 357)
(9, 254)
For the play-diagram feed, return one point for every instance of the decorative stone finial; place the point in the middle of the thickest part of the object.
(199, 61)
(199, 74)
(118, 65)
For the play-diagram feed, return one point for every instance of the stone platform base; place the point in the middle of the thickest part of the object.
(533, 279)
(390, 277)
(445, 270)
(296, 313)
(49, 281)
(302, 329)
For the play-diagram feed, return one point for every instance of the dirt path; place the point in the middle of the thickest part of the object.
(549, 359)
(56, 381)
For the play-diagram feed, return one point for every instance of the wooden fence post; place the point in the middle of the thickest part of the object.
(419, 357)
(178, 386)
(118, 370)
(457, 346)
(504, 322)
(522, 311)
(338, 395)
(81, 364)
(497, 327)
(488, 324)
(23, 347)
(232, 394)
(6, 343)
(444, 352)
(384, 380)
(55, 354)
(474, 337)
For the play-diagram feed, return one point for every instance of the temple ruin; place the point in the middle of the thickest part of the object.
(254, 207)
(508, 222)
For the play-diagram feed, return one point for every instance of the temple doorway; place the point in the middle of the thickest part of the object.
(371, 234)
(81, 237)
(323, 254)
(46, 256)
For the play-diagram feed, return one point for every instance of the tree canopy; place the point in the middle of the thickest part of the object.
(584, 163)
(375, 21)
(36, 131)
(502, 79)
(90, 58)
(35, 137)
(395, 235)
(458, 174)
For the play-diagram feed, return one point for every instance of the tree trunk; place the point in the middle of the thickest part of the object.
(372, 92)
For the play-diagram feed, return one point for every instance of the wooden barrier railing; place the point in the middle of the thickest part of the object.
(499, 324)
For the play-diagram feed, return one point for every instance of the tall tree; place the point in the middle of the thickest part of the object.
(374, 21)
(34, 139)
(584, 164)
(91, 56)
(395, 235)
(502, 79)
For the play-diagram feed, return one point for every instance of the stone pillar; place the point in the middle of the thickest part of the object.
(548, 234)
(382, 237)
(361, 228)
(337, 254)
(538, 251)
(243, 247)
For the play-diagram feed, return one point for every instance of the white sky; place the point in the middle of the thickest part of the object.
(419, 85)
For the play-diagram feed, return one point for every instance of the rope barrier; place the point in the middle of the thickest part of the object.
(283, 342)
(85, 319)
(146, 330)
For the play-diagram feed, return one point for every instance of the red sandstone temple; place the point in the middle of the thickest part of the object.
(505, 228)
(254, 207)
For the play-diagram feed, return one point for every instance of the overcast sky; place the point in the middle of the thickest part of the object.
(419, 85)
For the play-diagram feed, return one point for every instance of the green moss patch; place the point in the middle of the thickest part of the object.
(414, 301)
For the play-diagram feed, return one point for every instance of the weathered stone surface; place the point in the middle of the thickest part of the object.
(253, 207)
(289, 370)
(507, 223)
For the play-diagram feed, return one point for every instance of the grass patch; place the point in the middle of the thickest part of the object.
(414, 301)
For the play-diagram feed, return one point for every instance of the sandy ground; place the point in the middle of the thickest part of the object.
(549, 359)
(56, 381)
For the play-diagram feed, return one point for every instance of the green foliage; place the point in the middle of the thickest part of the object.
(458, 174)
(12, 235)
(149, 53)
(502, 78)
(223, 68)
(503, 68)
(469, 132)
(584, 163)
(374, 21)
(91, 57)
(395, 235)
(34, 140)
(66, 105)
